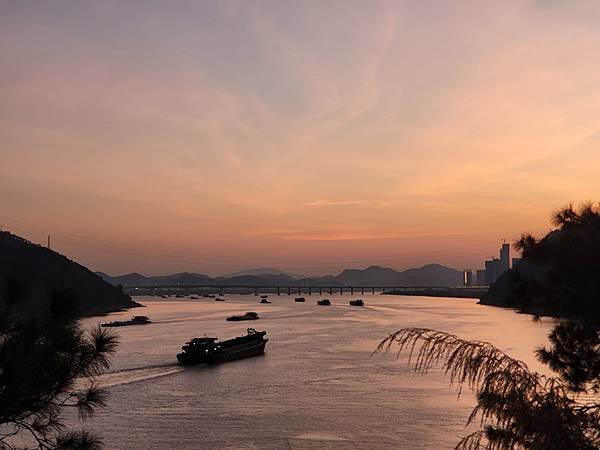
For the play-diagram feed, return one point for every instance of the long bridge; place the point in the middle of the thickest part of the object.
(452, 291)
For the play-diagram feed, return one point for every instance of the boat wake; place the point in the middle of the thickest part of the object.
(135, 375)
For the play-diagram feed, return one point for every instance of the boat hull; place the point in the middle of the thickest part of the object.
(232, 350)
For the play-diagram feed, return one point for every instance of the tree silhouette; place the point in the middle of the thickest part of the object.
(44, 358)
(518, 408)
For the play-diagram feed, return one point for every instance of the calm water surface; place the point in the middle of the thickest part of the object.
(318, 386)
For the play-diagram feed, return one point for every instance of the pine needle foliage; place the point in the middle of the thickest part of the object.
(44, 356)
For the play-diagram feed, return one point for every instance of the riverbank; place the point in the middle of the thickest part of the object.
(458, 292)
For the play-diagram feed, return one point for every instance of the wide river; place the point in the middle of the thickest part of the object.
(318, 385)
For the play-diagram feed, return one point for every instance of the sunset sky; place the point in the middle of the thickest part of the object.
(311, 136)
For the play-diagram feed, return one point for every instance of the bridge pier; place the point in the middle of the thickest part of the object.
(299, 290)
(255, 291)
(278, 290)
(222, 291)
(373, 291)
(362, 291)
(289, 290)
(320, 291)
(351, 290)
(330, 291)
(309, 290)
(341, 291)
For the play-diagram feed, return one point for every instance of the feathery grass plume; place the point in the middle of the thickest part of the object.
(516, 408)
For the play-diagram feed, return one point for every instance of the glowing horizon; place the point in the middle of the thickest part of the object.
(306, 136)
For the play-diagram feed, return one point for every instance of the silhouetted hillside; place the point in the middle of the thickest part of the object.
(429, 275)
(136, 279)
(264, 271)
(41, 270)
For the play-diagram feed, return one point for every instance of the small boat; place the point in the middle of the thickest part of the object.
(210, 350)
(251, 315)
(179, 296)
(357, 302)
(324, 302)
(264, 296)
(211, 296)
(299, 299)
(193, 298)
(219, 299)
(135, 320)
(205, 295)
(264, 300)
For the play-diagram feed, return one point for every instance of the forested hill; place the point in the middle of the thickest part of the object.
(41, 270)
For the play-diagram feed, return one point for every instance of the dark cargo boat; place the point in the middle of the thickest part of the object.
(135, 320)
(210, 350)
(251, 315)
(299, 299)
(357, 302)
(324, 302)
(264, 300)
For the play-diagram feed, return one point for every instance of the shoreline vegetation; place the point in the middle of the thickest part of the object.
(517, 408)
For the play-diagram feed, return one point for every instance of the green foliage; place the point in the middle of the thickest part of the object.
(45, 359)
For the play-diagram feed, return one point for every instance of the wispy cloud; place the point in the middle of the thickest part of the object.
(335, 202)
(365, 236)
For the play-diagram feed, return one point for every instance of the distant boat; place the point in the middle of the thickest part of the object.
(211, 296)
(264, 300)
(205, 295)
(135, 320)
(193, 298)
(251, 315)
(210, 350)
(357, 302)
(219, 299)
(299, 299)
(264, 296)
(324, 302)
(179, 296)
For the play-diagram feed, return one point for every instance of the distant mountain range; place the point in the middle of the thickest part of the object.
(264, 271)
(42, 270)
(428, 275)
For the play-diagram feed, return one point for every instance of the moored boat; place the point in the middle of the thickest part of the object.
(324, 302)
(299, 299)
(264, 300)
(357, 302)
(250, 315)
(135, 320)
(210, 350)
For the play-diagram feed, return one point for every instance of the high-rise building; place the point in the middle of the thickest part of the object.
(467, 277)
(504, 258)
(480, 278)
(495, 267)
(492, 270)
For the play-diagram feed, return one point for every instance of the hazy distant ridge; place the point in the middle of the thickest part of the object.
(428, 275)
